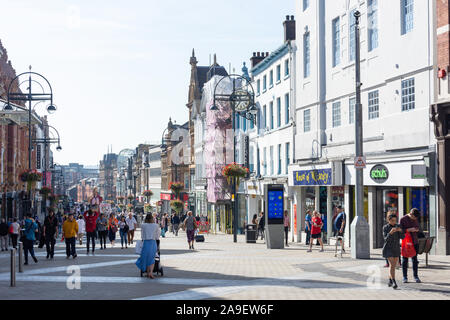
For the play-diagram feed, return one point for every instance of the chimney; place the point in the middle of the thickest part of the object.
(257, 58)
(289, 28)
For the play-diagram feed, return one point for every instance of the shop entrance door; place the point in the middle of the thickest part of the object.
(386, 202)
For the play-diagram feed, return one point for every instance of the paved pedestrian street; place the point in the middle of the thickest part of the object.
(219, 269)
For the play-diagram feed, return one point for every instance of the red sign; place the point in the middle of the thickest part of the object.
(166, 196)
(295, 218)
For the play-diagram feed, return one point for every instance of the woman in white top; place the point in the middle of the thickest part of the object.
(150, 232)
(81, 229)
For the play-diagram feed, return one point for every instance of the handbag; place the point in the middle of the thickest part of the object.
(408, 250)
(138, 248)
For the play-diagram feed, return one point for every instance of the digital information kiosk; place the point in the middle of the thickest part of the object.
(274, 208)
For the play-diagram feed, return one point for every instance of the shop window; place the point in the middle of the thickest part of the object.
(390, 200)
(310, 198)
(418, 198)
(352, 214)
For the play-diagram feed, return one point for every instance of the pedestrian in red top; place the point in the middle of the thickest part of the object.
(316, 230)
(90, 218)
(287, 226)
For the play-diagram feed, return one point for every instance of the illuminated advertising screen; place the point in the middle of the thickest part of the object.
(275, 204)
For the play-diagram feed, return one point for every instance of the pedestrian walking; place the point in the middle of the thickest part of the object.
(176, 224)
(150, 233)
(410, 223)
(4, 235)
(102, 228)
(339, 226)
(190, 225)
(261, 225)
(50, 233)
(70, 231)
(308, 219)
(14, 230)
(392, 233)
(123, 231)
(287, 226)
(316, 230)
(81, 229)
(132, 225)
(163, 225)
(112, 229)
(29, 237)
(255, 219)
(90, 218)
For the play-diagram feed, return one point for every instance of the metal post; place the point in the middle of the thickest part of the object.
(360, 241)
(13, 267)
(234, 203)
(20, 257)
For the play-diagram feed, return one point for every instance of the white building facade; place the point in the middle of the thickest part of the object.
(397, 77)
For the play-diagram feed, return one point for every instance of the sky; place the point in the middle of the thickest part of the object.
(120, 69)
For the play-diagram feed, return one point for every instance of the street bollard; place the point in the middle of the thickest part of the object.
(20, 257)
(13, 267)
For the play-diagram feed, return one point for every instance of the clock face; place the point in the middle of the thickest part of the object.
(242, 100)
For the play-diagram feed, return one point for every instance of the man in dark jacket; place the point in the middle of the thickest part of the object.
(262, 225)
(4, 235)
(50, 233)
(176, 224)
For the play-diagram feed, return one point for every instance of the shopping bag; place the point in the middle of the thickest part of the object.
(139, 245)
(408, 250)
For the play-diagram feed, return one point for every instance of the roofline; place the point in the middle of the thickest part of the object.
(269, 61)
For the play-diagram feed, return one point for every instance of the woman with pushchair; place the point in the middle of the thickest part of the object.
(150, 233)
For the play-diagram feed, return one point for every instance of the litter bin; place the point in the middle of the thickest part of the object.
(250, 233)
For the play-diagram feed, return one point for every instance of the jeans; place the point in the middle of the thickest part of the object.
(260, 231)
(123, 237)
(90, 236)
(415, 264)
(14, 237)
(286, 234)
(70, 247)
(308, 236)
(175, 229)
(4, 242)
(50, 244)
(28, 248)
(102, 235)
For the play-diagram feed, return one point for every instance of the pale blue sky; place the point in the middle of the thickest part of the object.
(120, 69)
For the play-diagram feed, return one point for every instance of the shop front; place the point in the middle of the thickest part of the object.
(393, 186)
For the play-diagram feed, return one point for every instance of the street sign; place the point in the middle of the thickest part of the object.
(360, 162)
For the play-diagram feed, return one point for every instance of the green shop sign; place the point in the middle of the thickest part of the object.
(379, 173)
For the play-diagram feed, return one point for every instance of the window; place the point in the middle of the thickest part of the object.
(279, 159)
(236, 122)
(305, 4)
(351, 110)
(288, 158)
(252, 122)
(286, 103)
(279, 112)
(408, 94)
(286, 67)
(372, 22)
(373, 105)
(307, 120)
(264, 83)
(336, 42)
(251, 160)
(265, 117)
(271, 116)
(351, 35)
(258, 86)
(407, 15)
(271, 162)
(265, 161)
(278, 72)
(271, 78)
(336, 114)
(306, 56)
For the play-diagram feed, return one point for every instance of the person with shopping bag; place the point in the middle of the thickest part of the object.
(410, 245)
(150, 233)
(392, 233)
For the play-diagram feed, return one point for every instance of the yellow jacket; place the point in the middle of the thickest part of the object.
(70, 229)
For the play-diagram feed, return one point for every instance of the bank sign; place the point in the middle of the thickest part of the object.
(318, 177)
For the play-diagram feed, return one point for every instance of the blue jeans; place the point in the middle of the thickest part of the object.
(123, 237)
(308, 236)
(28, 248)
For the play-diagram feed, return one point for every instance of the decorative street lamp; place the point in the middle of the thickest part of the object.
(242, 102)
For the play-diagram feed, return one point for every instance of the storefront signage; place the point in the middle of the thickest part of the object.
(319, 177)
(418, 172)
(166, 196)
(379, 173)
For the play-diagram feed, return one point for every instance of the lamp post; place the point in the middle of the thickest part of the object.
(360, 241)
(242, 103)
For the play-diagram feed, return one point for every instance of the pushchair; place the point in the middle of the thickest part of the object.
(158, 269)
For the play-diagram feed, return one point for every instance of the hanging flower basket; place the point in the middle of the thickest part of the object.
(176, 187)
(234, 171)
(147, 193)
(120, 198)
(45, 191)
(53, 199)
(177, 205)
(121, 206)
(147, 207)
(129, 206)
(130, 197)
(30, 177)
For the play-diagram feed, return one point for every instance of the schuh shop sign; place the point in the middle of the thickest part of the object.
(379, 173)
